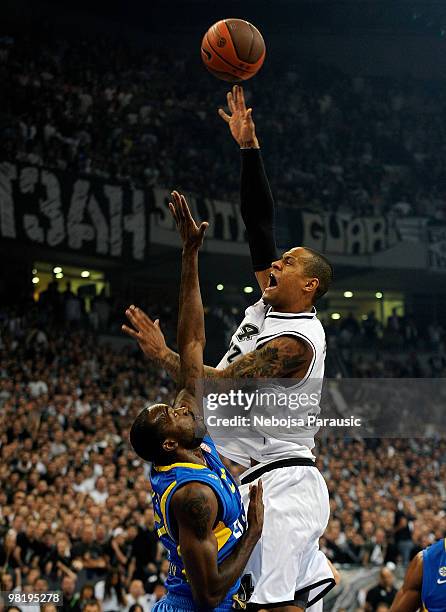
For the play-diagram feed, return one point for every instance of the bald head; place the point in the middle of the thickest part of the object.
(146, 433)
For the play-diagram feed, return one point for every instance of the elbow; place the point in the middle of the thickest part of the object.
(207, 601)
(208, 598)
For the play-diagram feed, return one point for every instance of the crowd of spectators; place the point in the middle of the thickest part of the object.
(400, 347)
(147, 116)
(75, 504)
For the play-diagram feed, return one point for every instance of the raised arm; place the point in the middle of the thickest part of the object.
(257, 203)
(190, 333)
(195, 509)
(408, 598)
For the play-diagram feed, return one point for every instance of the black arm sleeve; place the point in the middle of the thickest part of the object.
(257, 209)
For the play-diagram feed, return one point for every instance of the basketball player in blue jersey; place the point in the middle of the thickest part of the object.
(424, 586)
(198, 509)
(280, 337)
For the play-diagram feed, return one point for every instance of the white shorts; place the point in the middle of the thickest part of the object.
(286, 564)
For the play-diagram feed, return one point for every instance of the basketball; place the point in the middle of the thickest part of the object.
(233, 50)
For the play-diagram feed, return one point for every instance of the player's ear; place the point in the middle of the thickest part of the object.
(169, 445)
(311, 285)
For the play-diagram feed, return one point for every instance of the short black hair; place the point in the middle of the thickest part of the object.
(319, 267)
(146, 436)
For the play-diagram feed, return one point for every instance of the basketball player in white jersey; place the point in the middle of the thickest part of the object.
(280, 337)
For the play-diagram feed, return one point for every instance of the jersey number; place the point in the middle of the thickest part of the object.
(247, 332)
(237, 529)
(234, 351)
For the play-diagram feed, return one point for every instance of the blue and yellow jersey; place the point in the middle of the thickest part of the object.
(433, 592)
(231, 520)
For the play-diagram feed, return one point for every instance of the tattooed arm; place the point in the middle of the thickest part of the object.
(285, 356)
(195, 510)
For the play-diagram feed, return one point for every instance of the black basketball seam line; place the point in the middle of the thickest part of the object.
(222, 58)
(252, 39)
(234, 78)
(216, 72)
(252, 28)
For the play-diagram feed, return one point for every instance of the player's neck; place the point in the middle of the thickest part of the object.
(294, 308)
(190, 456)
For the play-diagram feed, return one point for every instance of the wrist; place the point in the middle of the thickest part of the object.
(253, 535)
(163, 354)
(251, 143)
(190, 250)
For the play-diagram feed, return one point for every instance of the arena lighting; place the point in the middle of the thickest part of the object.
(364, 317)
(220, 287)
(59, 275)
(248, 289)
(57, 270)
(378, 295)
(35, 280)
(85, 273)
(335, 316)
(348, 294)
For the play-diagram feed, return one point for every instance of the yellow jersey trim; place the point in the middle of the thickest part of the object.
(166, 468)
(163, 503)
(222, 533)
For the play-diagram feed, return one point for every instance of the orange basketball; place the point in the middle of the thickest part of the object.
(233, 50)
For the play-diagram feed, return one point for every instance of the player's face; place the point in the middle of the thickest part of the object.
(182, 424)
(287, 280)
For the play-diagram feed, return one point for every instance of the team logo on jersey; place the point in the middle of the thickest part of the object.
(247, 331)
(442, 571)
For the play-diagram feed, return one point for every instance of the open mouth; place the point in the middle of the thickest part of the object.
(272, 281)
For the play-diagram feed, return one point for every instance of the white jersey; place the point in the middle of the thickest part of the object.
(260, 325)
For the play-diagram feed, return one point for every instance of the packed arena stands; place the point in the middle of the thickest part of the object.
(75, 499)
(101, 107)
(76, 510)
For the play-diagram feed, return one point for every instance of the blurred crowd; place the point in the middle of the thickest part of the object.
(76, 511)
(148, 116)
(400, 347)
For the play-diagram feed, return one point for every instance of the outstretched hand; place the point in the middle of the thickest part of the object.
(191, 234)
(146, 332)
(240, 120)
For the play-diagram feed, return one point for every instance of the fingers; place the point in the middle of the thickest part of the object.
(186, 210)
(260, 489)
(202, 229)
(130, 332)
(138, 318)
(179, 206)
(230, 99)
(241, 98)
(173, 212)
(223, 115)
(252, 493)
(176, 207)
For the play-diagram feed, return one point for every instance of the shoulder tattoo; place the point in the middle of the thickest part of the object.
(196, 507)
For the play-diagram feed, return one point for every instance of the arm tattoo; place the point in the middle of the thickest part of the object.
(171, 363)
(196, 508)
(277, 358)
